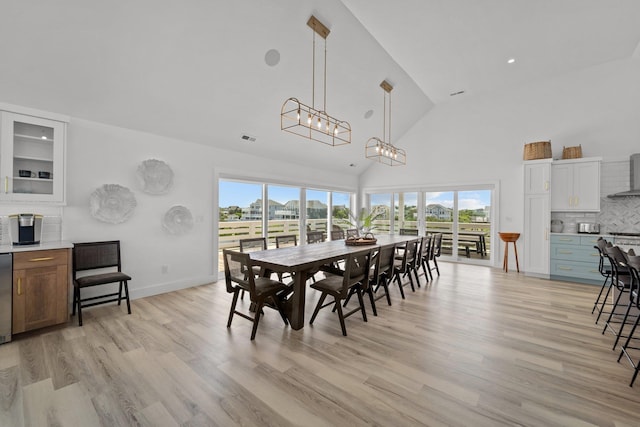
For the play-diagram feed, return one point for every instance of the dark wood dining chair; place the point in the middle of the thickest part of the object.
(262, 290)
(356, 273)
(286, 240)
(352, 232)
(402, 267)
(315, 236)
(337, 235)
(383, 271)
(425, 256)
(253, 244)
(95, 264)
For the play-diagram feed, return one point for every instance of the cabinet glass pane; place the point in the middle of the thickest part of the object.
(32, 158)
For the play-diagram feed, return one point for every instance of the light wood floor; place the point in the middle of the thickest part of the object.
(477, 347)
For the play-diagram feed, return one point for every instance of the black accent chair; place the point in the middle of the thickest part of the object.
(356, 275)
(98, 256)
(622, 281)
(600, 246)
(633, 265)
(264, 292)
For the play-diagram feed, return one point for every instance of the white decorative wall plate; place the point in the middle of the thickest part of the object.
(112, 203)
(177, 220)
(155, 176)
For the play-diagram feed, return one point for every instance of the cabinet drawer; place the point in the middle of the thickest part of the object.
(575, 253)
(590, 240)
(35, 259)
(565, 239)
(583, 270)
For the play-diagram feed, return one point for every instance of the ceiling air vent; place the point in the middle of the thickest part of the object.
(460, 92)
(248, 137)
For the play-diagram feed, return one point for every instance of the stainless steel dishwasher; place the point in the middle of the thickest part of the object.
(6, 296)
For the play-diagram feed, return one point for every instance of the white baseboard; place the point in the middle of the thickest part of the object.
(170, 286)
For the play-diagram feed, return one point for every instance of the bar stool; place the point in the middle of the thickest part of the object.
(507, 238)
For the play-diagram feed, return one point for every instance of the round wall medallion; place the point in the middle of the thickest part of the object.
(112, 203)
(155, 176)
(177, 220)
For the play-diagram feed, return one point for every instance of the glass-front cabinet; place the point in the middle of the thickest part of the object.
(31, 158)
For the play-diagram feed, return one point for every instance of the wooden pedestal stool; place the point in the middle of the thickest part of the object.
(506, 238)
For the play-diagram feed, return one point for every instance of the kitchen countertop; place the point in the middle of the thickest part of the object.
(62, 244)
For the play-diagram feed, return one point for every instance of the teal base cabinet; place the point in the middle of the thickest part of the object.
(574, 258)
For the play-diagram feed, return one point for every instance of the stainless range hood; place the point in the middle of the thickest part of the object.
(635, 179)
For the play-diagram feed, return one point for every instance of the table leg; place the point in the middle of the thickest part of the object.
(295, 305)
(515, 248)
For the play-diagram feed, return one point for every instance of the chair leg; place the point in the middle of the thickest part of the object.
(604, 302)
(399, 284)
(73, 310)
(256, 319)
(415, 272)
(361, 301)
(79, 305)
(613, 311)
(119, 293)
(278, 305)
(385, 285)
(408, 273)
(341, 317)
(318, 306)
(604, 284)
(624, 320)
(629, 338)
(233, 307)
(429, 270)
(373, 301)
(126, 293)
(435, 263)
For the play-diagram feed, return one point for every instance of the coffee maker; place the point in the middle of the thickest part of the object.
(25, 228)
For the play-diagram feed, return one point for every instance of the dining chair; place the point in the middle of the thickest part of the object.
(436, 250)
(261, 289)
(633, 265)
(315, 236)
(352, 232)
(605, 272)
(356, 274)
(425, 255)
(337, 234)
(408, 232)
(286, 240)
(402, 267)
(621, 279)
(96, 264)
(383, 271)
(252, 244)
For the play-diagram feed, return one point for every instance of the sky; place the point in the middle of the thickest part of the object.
(233, 193)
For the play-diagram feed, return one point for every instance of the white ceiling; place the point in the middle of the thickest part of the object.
(195, 70)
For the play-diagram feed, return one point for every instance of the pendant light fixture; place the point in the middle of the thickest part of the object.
(380, 150)
(307, 121)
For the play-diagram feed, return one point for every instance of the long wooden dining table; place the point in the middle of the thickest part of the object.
(299, 261)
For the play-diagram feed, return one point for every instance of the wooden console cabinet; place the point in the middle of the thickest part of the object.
(40, 288)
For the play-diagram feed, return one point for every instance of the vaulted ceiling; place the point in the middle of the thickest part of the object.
(199, 70)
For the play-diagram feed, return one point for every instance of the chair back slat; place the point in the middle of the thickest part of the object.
(315, 236)
(337, 235)
(384, 262)
(356, 270)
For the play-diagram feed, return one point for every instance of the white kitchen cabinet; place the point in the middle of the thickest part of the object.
(32, 157)
(537, 217)
(575, 185)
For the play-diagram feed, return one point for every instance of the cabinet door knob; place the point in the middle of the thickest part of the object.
(19, 286)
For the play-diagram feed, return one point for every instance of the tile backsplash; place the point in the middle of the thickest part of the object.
(615, 214)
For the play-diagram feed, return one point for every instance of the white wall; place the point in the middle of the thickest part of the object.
(480, 139)
(98, 154)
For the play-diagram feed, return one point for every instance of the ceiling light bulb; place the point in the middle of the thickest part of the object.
(298, 114)
(335, 130)
(327, 125)
(44, 137)
(511, 60)
(319, 123)
(309, 119)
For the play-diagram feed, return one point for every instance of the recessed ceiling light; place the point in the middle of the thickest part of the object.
(272, 57)
(511, 60)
